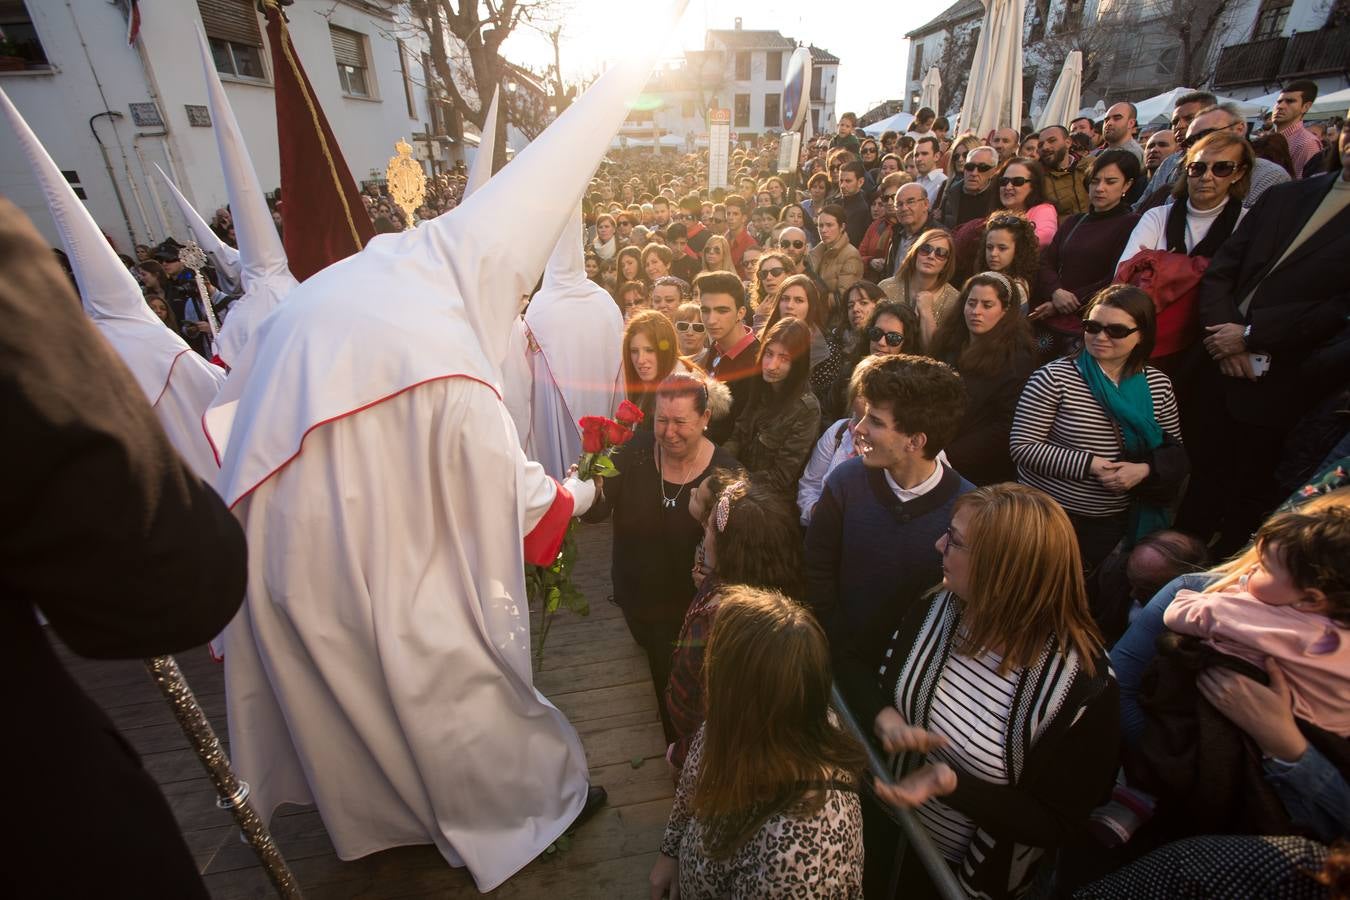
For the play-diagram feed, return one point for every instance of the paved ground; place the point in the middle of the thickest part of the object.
(592, 670)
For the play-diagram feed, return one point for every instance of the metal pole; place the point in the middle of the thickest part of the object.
(193, 257)
(233, 792)
(944, 879)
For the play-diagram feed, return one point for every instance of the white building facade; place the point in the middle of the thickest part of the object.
(107, 112)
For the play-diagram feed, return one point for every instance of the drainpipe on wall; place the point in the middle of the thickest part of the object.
(112, 177)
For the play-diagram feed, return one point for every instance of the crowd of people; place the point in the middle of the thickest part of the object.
(1035, 443)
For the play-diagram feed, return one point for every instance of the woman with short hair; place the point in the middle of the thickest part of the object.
(692, 333)
(656, 262)
(988, 341)
(606, 242)
(1001, 675)
(1099, 431)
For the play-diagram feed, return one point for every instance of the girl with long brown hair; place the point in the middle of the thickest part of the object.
(988, 341)
(1038, 750)
(651, 351)
(799, 297)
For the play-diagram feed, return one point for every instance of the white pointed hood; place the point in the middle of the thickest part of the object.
(579, 332)
(423, 305)
(224, 257)
(481, 170)
(265, 277)
(176, 381)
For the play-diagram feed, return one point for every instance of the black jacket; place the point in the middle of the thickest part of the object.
(1300, 306)
(126, 552)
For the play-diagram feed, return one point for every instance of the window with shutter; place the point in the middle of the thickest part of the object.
(232, 31)
(349, 49)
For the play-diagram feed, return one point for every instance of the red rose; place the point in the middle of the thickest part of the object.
(629, 414)
(616, 434)
(592, 441)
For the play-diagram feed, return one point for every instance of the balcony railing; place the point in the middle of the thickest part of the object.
(1317, 53)
(1257, 62)
(1277, 59)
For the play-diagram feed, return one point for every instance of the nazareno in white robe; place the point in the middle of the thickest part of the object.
(371, 671)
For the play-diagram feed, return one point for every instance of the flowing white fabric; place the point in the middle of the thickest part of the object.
(481, 168)
(223, 256)
(994, 89)
(931, 95)
(193, 383)
(397, 698)
(266, 276)
(518, 380)
(578, 369)
(1061, 107)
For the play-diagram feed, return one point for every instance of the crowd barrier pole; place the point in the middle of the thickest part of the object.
(913, 834)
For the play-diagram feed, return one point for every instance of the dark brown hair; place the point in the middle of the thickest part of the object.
(1314, 548)
(1138, 305)
(768, 737)
(1008, 342)
(924, 396)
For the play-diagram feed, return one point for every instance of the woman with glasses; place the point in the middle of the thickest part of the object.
(631, 297)
(923, 283)
(773, 268)
(1205, 208)
(717, 256)
(691, 332)
(889, 329)
(1081, 260)
(835, 261)
(650, 353)
(774, 434)
(799, 297)
(988, 342)
(1002, 677)
(1020, 188)
(1099, 431)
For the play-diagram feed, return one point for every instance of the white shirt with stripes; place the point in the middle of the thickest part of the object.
(970, 708)
(1059, 427)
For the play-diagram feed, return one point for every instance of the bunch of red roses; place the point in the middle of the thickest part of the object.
(551, 587)
(601, 436)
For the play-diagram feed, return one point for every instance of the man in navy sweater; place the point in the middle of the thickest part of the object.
(871, 549)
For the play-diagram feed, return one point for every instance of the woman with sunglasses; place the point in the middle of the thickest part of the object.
(923, 283)
(691, 332)
(650, 353)
(1021, 192)
(988, 342)
(773, 268)
(889, 329)
(717, 256)
(834, 260)
(799, 297)
(1099, 431)
(774, 434)
(1081, 260)
(1205, 209)
(1000, 676)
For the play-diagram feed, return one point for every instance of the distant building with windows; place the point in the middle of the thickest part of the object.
(69, 70)
(738, 69)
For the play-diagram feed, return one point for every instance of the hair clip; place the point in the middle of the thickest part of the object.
(724, 505)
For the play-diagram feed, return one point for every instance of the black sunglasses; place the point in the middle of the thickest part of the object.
(931, 250)
(1221, 169)
(1014, 180)
(785, 243)
(977, 167)
(893, 338)
(1114, 331)
(772, 273)
(696, 327)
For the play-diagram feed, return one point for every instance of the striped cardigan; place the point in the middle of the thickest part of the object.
(1061, 752)
(1059, 427)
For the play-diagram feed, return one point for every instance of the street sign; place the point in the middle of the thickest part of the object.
(719, 139)
(797, 90)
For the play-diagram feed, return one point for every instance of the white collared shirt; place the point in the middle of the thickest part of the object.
(931, 183)
(923, 487)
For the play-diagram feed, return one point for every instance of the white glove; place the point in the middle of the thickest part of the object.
(583, 494)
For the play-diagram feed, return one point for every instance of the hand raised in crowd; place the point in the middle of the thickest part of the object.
(898, 736)
(1265, 713)
(1225, 340)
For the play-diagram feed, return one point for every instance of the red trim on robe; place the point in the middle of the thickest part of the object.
(545, 540)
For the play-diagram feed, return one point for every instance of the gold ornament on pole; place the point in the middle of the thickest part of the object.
(407, 182)
(193, 258)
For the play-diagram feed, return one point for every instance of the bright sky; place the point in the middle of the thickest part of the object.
(870, 43)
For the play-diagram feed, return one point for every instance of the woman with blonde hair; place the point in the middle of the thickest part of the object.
(924, 280)
(717, 256)
(767, 804)
(651, 351)
(1037, 752)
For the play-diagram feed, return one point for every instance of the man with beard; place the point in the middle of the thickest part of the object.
(1065, 172)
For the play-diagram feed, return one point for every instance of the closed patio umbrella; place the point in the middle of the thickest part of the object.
(1062, 104)
(994, 91)
(932, 90)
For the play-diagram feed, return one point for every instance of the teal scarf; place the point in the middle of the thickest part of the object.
(1130, 404)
